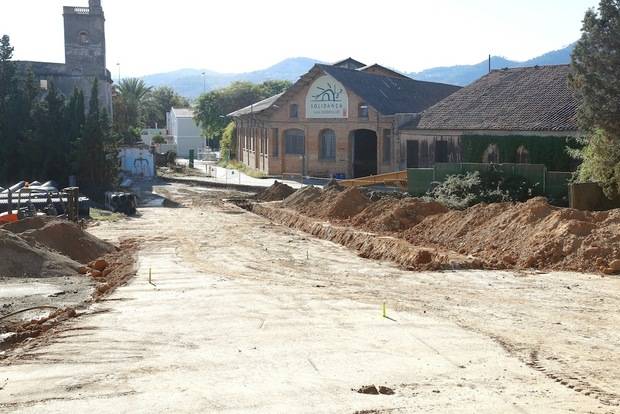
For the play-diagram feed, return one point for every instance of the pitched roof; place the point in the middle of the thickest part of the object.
(258, 106)
(349, 63)
(521, 99)
(386, 94)
(390, 95)
(382, 70)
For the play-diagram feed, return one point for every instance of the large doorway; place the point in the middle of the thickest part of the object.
(413, 154)
(364, 153)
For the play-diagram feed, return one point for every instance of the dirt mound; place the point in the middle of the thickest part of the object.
(19, 259)
(302, 197)
(333, 184)
(527, 235)
(392, 214)
(343, 204)
(70, 240)
(278, 191)
(31, 223)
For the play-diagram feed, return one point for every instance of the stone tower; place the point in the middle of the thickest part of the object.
(85, 39)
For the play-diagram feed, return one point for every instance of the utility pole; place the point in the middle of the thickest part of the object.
(489, 63)
(204, 82)
(118, 65)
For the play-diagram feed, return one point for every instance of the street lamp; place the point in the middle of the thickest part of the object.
(118, 65)
(204, 82)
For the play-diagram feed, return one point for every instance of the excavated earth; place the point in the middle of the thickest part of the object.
(48, 270)
(423, 235)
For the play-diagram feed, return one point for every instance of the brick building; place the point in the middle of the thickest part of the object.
(336, 120)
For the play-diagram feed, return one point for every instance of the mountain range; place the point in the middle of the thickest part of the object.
(191, 82)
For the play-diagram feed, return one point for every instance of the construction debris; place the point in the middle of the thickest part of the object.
(498, 236)
(278, 191)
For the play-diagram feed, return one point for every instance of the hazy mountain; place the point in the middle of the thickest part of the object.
(189, 82)
(466, 74)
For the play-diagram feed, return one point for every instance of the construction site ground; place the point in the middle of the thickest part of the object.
(243, 315)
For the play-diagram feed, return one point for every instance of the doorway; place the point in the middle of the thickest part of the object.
(413, 154)
(364, 153)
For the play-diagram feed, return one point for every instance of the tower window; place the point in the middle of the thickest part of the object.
(43, 84)
(83, 37)
(362, 110)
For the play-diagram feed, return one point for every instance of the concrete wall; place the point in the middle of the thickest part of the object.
(137, 162)
(184, 144)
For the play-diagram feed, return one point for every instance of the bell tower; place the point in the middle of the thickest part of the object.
(85, 52)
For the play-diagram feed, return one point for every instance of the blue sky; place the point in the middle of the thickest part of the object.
(149, 36)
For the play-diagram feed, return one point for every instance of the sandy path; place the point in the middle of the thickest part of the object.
(250, 317)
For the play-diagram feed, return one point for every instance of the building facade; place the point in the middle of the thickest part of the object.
(522, 115)
(187, 134)
(85, 56)
(337, 120)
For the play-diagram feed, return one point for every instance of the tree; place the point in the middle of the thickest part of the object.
(213, 107)
(129, 107)
(596, 79)
(97, 153)
(227, 145)
(158, 102)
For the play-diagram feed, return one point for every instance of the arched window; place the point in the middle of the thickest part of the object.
(523, 155)
(83, 37)
(362, 110)
(327, 145)
(491, 154)
(294, 142)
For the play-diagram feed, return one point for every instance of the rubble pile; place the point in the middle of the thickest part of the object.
(533, 234)
(530, 235)
(277, 192)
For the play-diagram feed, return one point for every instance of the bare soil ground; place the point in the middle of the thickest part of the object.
(244, 315)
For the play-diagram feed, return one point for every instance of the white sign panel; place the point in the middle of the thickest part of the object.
(327, 98)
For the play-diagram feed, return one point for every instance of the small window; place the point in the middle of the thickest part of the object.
(387, 145)
(523, 155)
(441, 151)
(294, 142)
(275, 143)
(362, 110)
(83, 37)
(43, 84)
(327, 148)
(491, 154)
(293, 111)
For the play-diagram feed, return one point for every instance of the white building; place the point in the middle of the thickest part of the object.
(185, 131)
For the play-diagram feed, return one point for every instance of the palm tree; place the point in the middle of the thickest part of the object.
(133, 92)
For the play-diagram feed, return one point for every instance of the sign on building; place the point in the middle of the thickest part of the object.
(327, 98)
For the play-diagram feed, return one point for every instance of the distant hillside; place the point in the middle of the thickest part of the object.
(465, 74)
(189, 82)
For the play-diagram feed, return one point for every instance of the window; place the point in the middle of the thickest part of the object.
(441, 151)
(327, 145)
(275, 142)
(83, 37)
(43, 84)
(491, 154)
(362, 110)
(523, 155)
(387, 145)
(294, 142)
(293, 111)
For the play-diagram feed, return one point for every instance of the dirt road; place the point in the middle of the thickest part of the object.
(246, 316)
